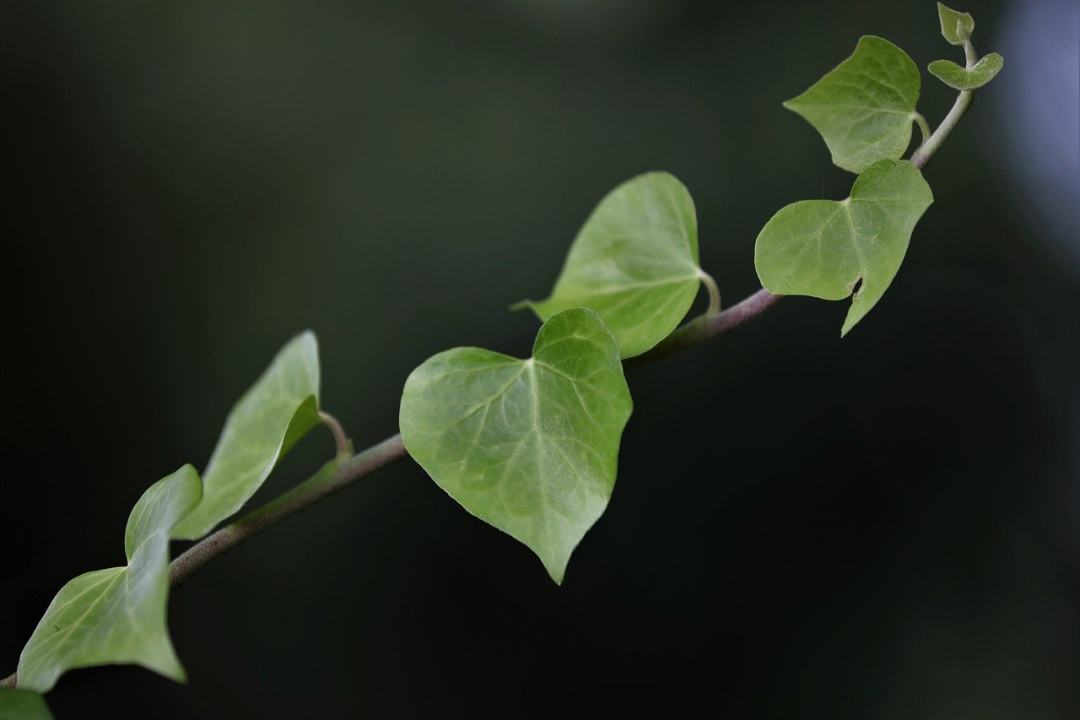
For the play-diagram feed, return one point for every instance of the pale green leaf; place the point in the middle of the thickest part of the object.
(22, 705)
(956, 27)
(274, 413)
(824, 248)
(635, 262)
(961, 78)
(864, 107)
(117, 615)
(529, 446)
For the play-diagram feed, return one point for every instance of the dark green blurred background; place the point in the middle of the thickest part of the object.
(880, 527)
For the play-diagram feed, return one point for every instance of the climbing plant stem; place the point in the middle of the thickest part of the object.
(347, 468)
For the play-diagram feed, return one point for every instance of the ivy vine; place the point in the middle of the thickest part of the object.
(531, 446)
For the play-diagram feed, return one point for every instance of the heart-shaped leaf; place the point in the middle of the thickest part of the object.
(864, 107)
(825, 248)
(961, 78)
(22, 705)
(117, 615)
(529, 446)
(956, 27)
(635, 262)
(271, 416)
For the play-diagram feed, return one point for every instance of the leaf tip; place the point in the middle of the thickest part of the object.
(521, 305)
(306, 337)
(181, 675)
(174, 671)
(854, 315)
(956, 26)
(556, 570)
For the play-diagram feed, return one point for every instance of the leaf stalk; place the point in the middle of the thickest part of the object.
(713, 290)
(963, 101)
(341, 439)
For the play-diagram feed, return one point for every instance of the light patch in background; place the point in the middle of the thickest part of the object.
(1039, 103)
(1038, 100)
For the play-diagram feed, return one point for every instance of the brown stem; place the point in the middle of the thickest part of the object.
(705, 327)
(335, 476)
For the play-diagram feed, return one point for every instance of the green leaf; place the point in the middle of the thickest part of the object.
(961, 78)
(824, 248)
(529, 446)
(274, 413)
(864, 108)
(22, 705)
(956, 27)
(635, 262)
(117, 615)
